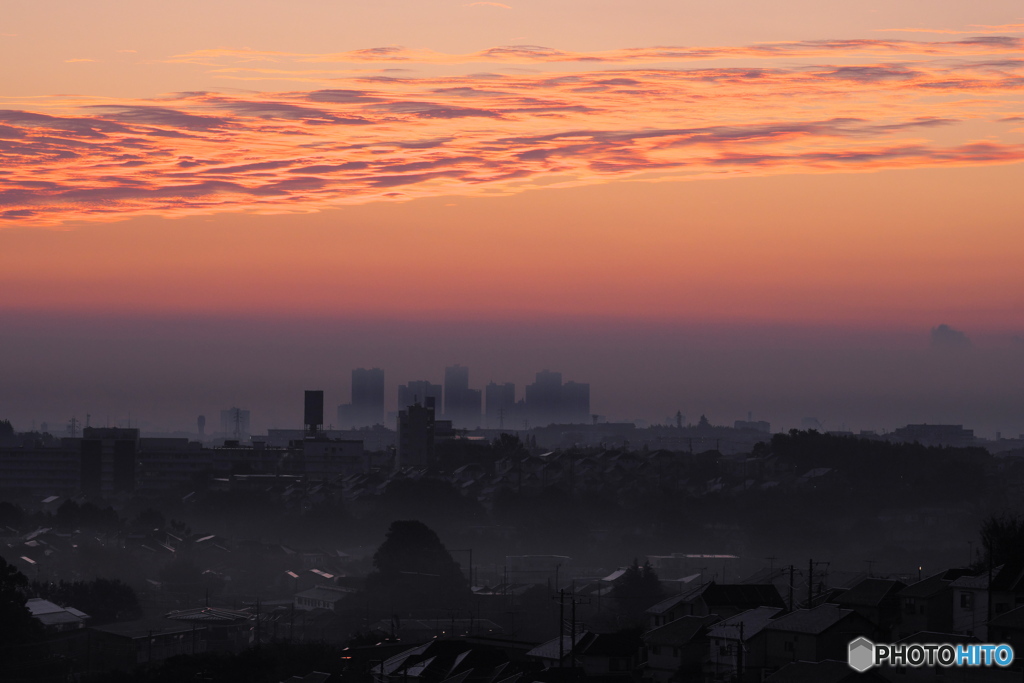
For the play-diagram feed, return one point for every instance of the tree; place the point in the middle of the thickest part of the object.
(17, 625)
(1002, 539)
(413, 569)
(638, 589)
(6, 428)
(105, 600)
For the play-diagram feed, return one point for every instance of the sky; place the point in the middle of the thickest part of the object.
(714, 207)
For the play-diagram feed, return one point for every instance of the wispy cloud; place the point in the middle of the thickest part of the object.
(518, 54)
(974, 29)
(488, 4)
(375, 137)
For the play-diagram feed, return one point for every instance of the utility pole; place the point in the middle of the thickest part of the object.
(791, 569)
(572, 625)
(561, 628)
(810, 582)
(739, 656)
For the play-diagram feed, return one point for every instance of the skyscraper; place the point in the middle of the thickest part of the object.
(462, 405)
(367, 397)
(576, 402)
(418, 391)
(549, 401)
(544, 399)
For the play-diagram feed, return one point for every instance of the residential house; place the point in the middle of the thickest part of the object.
(677, 650)
(600, 656)
(737, 645)
(54, 618)
(877, 600)
(813, 635)
(724, 600)
(322, 597)
(928, 604)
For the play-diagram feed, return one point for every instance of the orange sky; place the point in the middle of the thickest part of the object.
(673, 163)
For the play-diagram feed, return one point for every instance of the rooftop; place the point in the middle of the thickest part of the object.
(812, 621)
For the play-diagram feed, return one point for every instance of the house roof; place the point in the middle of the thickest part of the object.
(753, 622)
(52, 614)
(680, 631)
(551, 648)
(813, 621)
(323, 593)
(1009, 577)
(670, 602)
(978, 582)
(870, 592)
(145, 628)
(213, 615)
(933, 585)
(1014, 619)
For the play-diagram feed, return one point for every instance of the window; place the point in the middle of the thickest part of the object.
(967, 600)
(789, 646)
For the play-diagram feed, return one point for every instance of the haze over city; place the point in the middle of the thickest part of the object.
(383, 341)
(771, 216)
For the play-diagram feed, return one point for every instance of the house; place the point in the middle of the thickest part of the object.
(928, 604)
(813, 635)
(127, 645)
(737, 645)
(677, 650)
(600, 656)
(877, 600)
(227, 630)
(322, 597)
(724, 600)
(444, 659)
(1008, 628)
(970, 605)
(54, 618)
(1007, 588)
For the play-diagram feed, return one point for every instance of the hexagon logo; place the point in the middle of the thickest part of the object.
(861, 654)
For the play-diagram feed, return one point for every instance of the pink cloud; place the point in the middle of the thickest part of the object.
(359, 139)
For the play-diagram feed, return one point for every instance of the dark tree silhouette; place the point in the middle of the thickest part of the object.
(6, 428)
(1002, 539)
(413, 569)
(105, 600)
(17, 625)
(637, 590)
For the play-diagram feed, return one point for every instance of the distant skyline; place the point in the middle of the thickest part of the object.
(166, 372)
(713, 207)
